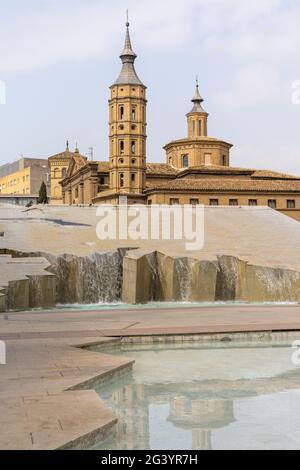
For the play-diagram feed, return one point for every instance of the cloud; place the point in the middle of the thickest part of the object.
(58, 32)
(251, 86)
(259, 40)
(259, 32)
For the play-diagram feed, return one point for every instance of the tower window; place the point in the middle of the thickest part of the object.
(224, 160)
(121, 112)
(133, 147)
(122, 147)
(185, 161)
(121, 127)
(121, 180)
(102, 180)
(291, 204)
(194, 128)
(133, 127)
(133, 177)
(199, 128)
(207, 159)
(133, 114)
(133, 161)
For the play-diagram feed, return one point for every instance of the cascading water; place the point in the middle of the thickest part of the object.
(183, 279)
(88, 280)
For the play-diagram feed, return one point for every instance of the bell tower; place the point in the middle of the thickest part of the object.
(127, 127)
(197, 117)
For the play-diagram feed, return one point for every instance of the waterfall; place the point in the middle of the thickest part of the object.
(88, 280)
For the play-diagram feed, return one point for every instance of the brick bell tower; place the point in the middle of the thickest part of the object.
(127, 124)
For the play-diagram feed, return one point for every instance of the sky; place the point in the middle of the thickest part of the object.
(59, 57)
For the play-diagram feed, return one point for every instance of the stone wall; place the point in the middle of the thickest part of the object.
(155, 276)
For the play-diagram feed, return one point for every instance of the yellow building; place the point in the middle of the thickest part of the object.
(24, 177)
(197, 168)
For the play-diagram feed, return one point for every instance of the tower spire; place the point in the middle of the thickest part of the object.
(197, 100)
(128, 75)
(197, 117)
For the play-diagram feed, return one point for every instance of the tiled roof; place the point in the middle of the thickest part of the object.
(103, 167)
(196, 140)
(65, 154)
(231, 185)
(218, 169)
(161, 169)
(273, 174)
(158, 169)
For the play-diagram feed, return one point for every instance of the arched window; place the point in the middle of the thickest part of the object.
(121, 112)
(133, 147)
(185, 161)
(133, 113)
(122, 147)
(121, 180)
(199, 128)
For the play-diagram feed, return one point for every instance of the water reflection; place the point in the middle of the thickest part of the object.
(205, 412)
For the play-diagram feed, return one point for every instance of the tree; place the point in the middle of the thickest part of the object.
(43, 198)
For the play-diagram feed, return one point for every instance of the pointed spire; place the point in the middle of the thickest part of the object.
(67, 146)
(128, 74)
(76, 149)
(197, 100)
(128, 55)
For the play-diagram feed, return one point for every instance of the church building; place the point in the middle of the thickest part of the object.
(196, 171)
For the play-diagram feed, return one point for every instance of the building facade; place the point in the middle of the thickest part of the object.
(59, 165)
(24, 177)
(197, 168)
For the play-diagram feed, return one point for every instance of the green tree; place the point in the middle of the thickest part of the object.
(43, 197)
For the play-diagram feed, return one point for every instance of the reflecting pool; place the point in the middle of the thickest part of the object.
(193, 396)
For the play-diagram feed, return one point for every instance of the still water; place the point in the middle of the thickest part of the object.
(193, 396)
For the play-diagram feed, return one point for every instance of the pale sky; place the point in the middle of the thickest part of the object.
(59, 57)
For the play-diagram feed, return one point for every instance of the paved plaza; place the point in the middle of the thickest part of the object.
(46, 389)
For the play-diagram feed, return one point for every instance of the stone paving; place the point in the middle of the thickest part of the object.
(46, 396)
